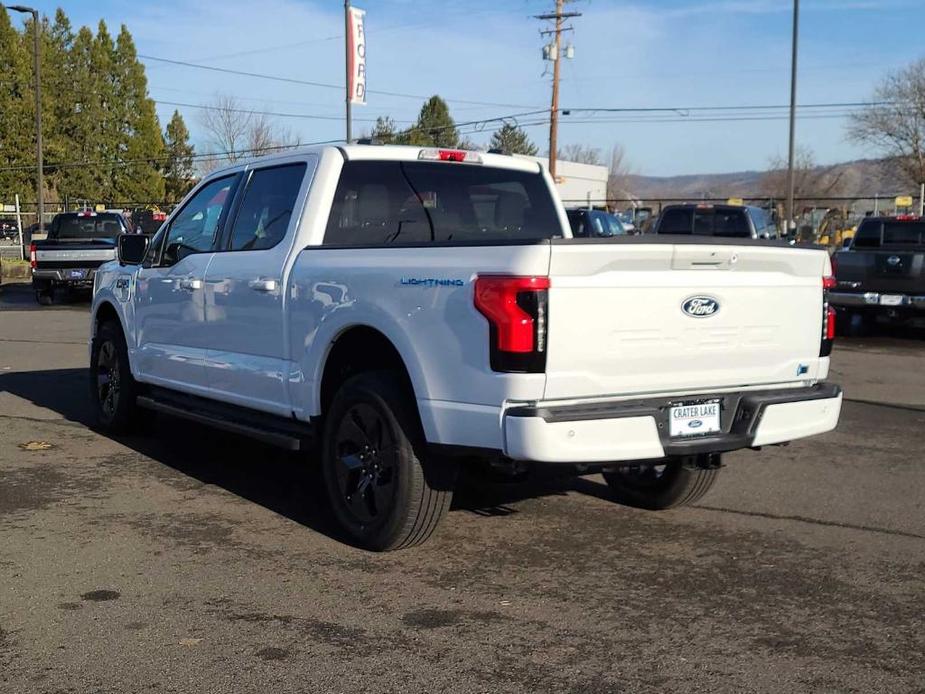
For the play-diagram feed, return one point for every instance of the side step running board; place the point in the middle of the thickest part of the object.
(259, 426)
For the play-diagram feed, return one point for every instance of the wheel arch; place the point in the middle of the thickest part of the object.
(355, 349)
(103, 313)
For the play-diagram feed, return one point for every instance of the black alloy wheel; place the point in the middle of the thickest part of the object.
(365, 450)
(384, 489)
(107, 379)
(112, 388)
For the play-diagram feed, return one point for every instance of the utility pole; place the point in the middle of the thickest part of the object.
(348, 53)
(793, 114)
(37, 60)
(554, 53)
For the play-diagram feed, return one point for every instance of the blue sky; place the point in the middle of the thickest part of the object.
(629, 54)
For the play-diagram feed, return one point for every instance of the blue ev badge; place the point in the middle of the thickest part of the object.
(700, 306)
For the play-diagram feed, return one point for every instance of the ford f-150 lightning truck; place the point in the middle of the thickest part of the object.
(402, 310)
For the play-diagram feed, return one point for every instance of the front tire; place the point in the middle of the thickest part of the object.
(383, 495)
(112, 388)
(675, 482)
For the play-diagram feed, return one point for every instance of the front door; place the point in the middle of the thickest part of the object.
(169, 296)
(245, 290)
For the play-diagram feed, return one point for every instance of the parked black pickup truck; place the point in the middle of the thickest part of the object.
(881, 275)
(77, 244)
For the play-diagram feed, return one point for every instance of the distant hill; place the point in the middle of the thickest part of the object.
(860, 178)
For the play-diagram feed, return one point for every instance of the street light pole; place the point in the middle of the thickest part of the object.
(37, 60)
(793, 115)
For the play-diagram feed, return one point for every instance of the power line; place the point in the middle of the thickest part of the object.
(309, 83)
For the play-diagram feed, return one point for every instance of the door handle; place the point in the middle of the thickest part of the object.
(190, 284)
(263, 285)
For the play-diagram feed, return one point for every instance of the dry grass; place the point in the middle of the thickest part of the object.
(14, 269)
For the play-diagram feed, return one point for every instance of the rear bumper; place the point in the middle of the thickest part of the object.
(873, 300)
(61, 276)
(638, 429)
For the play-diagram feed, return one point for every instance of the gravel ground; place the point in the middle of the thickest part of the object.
(191, 561)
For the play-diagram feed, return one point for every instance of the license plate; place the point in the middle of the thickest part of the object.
(76, 274)
(891, 299)
(691, 419)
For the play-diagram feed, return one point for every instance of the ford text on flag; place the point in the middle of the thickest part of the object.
(356, 55)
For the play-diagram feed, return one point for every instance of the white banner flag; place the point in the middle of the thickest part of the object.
(356, 57)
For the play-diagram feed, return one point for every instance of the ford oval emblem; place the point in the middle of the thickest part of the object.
(695, 424)
(700, 306)
(893, 260)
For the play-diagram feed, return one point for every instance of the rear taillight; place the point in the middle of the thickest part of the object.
(517, 313)
(32, 255)
(830, 324)
(828, 317)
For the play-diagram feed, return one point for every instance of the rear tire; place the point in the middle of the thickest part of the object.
(657, 487)
(44, 295)
(112, 388)
(383, 495)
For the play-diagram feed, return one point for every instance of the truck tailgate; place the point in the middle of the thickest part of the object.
(901, 271)
(617, 324)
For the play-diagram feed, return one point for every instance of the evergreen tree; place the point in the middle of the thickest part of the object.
(136, 132)
(17, 130)
(58, 112)
(384, 131)
(178, 152)
(434, 126)
(510, 139)
(112, 113)
(81, 130)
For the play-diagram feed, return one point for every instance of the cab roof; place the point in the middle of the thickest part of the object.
(447, 155)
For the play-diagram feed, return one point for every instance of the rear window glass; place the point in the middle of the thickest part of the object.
(873, 234)
(903, 233)
(676, 222)
(867, 235)
(381, 202)
(72, 226)
(705, 222)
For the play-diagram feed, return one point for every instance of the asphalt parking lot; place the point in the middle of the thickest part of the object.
(191, 561)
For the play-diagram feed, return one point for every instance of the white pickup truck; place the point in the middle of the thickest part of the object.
(409, 309)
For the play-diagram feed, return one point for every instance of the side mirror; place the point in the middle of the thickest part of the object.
(846, 243)
(132, 248)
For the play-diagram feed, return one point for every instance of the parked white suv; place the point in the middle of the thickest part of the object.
(412, 308)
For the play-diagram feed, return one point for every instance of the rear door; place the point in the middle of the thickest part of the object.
(244, 290)
(637, 318)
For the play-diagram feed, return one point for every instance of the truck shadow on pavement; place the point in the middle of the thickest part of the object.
(288, 484)
(18, 296)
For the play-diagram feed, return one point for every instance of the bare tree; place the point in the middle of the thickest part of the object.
(237, 133)
(895, 123)
(618, 177)
(811, 182)
(227, 124)
(583, 154)
(264, 136)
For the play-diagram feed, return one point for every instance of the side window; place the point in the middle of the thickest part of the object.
(678, 221)
(269, 199)
(731, 223)
(194, 229)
